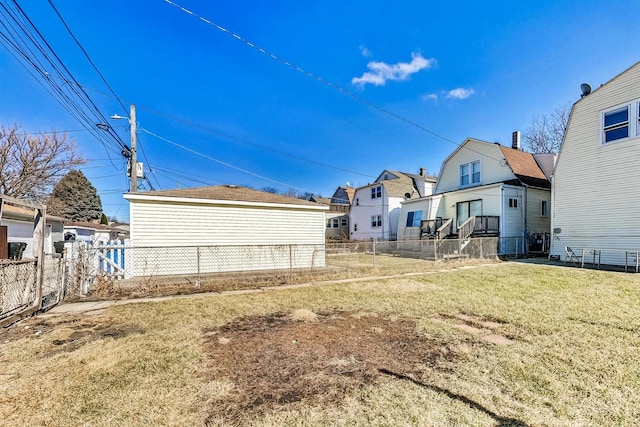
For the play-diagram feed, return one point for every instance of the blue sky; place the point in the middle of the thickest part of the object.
(386, 85)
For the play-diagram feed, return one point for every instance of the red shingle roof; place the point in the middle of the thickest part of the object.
(525, 167)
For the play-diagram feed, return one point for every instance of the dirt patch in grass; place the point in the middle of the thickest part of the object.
(313, 359)
(85, 330)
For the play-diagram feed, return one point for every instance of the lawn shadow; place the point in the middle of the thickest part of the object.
(502, 421)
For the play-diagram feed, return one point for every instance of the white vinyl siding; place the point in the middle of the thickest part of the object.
(595, 203)
(492, 167)
(421, 206)
(230, 238)
(512, 222)
(161, 224)
(536, 221)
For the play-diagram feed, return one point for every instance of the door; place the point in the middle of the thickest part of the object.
(465, 210)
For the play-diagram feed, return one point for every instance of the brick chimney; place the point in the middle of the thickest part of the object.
(515, 140)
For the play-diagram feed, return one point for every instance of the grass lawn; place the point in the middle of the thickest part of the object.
(497, 345)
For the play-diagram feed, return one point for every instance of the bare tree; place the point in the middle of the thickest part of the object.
(545, 132)
(30, 166)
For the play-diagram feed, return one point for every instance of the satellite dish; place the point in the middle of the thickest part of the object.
(586, 89)
(407, 195)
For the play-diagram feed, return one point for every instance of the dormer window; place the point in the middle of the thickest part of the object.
(470, 174)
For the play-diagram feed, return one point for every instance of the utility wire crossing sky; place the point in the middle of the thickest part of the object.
(295, 96)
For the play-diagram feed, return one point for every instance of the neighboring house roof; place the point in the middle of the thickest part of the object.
(18, 213)
(400, 186)
(343, 195)
(230, 193)
(525, 167)
(89, 225)
(321, 200)
(351, 192)
(403, 183)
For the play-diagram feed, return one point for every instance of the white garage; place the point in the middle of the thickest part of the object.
(222, 228)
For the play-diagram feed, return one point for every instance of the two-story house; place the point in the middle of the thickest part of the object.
(484, 189)
(594, 204)
(375, 210)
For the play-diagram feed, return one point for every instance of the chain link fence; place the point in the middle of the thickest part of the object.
(19, 286)
(118, 270)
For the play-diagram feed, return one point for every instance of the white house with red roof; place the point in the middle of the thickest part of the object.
(484, 189)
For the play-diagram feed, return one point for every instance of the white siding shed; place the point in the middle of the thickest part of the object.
(223, 228)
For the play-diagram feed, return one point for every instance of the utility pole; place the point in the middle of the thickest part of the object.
(134, 161)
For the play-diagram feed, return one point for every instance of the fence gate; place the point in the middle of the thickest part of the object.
(111, 259)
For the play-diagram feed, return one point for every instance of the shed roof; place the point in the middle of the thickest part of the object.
(227, 193)
(23, 213)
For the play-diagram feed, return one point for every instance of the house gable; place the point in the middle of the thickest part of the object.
(476, 163)
(595, 204)
(473, 153)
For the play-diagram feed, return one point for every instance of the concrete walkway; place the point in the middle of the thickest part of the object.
(98, 307)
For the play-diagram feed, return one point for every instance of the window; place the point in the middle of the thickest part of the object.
(357, 202)
(343, 222)
(332, 223)
(513, 202)
(621, 122)
(470, 173)
(414, 219)
(616, 124)
(465, 210)
(355, 227)
(543, 208)
(376, 221)
(376, 192)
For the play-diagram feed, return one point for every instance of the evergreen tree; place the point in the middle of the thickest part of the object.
(74, 198)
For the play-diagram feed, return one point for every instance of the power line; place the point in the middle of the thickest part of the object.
(32, 51)
(319, 78)
(237, 139)
(220, 161)
(104, 80)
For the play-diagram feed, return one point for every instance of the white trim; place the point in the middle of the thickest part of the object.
(633, 121)
(198, 201)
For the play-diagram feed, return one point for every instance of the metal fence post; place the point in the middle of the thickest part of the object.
(374, 253)
(198, 265)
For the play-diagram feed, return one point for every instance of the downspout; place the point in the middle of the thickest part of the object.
(502, 210)
(524, 219)
(552, 235)
(385, 218)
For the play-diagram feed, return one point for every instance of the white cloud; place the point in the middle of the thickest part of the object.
(460, 93)
(430, 97)
(365, 52)
(381, 72)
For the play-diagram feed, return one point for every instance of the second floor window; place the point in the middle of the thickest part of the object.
(470, 173)
(376, 192)
(616, 124)
(376, 221)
